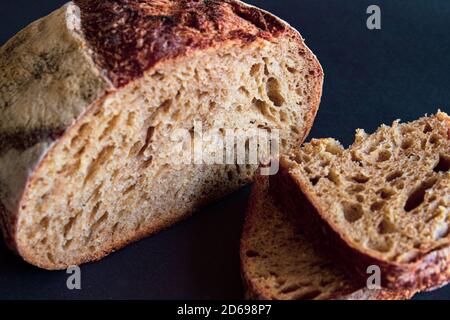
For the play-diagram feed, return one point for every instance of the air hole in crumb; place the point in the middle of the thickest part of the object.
(406, 144)
(427, 128)
(386, 193)
(356, 157)
(147, 163)
(384, 156)
(110, 127)
(266, 66)
(357, 188)
(212, 105)
(69, 225)
(289, 289)
(361, 178)
(134, 150)
(256, 68)
(434, 139)
(115, 227)
(274, 92)
(377, 206)
(262, 106)
(353, 212)
(417, 197)
(95, 210)
(395, 175)
(165, 106)
(96, 194)
(423, 144)
(443, 165)
(100, 221)
(243, 90)
(360, 198)
(97, 163)
(291, 70)
(325, 163)
(68, 244)
(44, 223)
(252, 254)
(308, 295)
(50, 257)
(295, 130)
(315, 180)
(333, 177)
(129, 189)
(148, 139)
(131, 119)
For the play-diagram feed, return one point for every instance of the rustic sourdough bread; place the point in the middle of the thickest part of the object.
(384, 201)
(279, 263)
(92, 94)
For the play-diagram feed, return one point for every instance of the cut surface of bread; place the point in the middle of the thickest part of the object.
(93, 95)
(384, 201)
(279, 263)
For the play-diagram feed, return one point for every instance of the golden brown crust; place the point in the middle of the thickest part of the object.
(129, 37)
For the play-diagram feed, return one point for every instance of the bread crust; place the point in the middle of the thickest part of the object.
(131, 37)
(185, 27)
(253, 291)
(429, 270)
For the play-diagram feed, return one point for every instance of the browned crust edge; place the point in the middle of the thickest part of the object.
(254, 292)
(431, 271)
(131, 36)
(11, 227)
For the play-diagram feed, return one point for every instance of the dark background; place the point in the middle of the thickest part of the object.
(371, 77)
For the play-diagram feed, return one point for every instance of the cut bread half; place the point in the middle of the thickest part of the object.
(94, 95)
(383, 202)
(279, 263)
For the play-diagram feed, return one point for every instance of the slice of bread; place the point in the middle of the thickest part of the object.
(383, 202)
(279, 263)
(93, 98)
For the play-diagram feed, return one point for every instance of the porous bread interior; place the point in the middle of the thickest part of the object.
(279, 261)
(112, 178)
(389, 193)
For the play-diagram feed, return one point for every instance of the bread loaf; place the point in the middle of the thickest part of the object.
(91, 96)
(280, 263)
(383, 202)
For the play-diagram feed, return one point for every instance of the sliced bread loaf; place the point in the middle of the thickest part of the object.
(279, 263)
(91, 100)
(383, 202)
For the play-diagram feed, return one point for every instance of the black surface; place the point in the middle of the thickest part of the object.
(372, 77)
